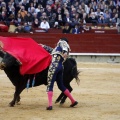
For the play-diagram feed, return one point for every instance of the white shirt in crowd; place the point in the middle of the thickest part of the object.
(44, 25)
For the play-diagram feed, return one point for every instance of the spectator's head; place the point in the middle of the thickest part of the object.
(12, 1)
(35, 15)
(28, 14)
(39, 6)
(24, 1)
(77, 25)
(44, 14)
(25, 24)
(44, 20)
(3, 4)
(32, 10)
(59, 10)
(19, 27)
(73, 10)
(35, 1)
(4, 9)
(9, 4)
(49, 8)
(41, 9)
(36, 21)
(22, 8)
(20, 5)
(18, 15)
(31, 4)
(12, 8)
(3, 14)
(54, 15)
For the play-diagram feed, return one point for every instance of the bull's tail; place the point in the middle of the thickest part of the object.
(75, 74)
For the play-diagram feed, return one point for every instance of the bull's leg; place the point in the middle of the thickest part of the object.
(59, 97)
(64, 97)
(12, 103)
(18, 100)
(16, 96)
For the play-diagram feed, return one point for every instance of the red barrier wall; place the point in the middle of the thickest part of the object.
(82, 43)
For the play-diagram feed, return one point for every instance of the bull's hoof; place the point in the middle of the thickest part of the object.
(61, 103)
(11, 104)
(18, 103)
(56, 102)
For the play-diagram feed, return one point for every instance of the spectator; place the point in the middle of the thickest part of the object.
(28, 18)
(23, 12)
(39, 14)
(44, 16)
(50, 2)
(60, 20)
(76, 30)
(92, 18)
(13, 12)
(101, 19)
(36, 17)
(9, 6)
(11, 18)
(3, 17)
(98, 13)
(30, 6)
(32, 11)
(44, 25)
(27, 28)
(118, 27)
(56, 25)
(67, 19)
(35, 3)
(107, 16)
(18, 19)
(36, 23)
(19, 29)
(49, 11)
(66, 29)
(25, 4)
(38, 9)
(52, 20)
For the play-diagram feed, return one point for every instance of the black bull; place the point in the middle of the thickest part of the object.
(12, 70)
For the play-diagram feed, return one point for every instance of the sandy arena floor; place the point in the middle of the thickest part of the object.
(98, 96)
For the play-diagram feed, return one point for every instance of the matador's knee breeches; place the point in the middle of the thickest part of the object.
(52, 71)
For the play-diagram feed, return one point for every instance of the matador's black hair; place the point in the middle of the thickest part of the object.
(65, 39)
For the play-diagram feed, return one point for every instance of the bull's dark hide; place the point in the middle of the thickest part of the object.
(20, 82)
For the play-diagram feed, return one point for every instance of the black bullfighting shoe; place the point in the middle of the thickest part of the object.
(74, 104)
(49, 108)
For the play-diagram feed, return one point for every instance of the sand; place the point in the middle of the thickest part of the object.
(98, 95)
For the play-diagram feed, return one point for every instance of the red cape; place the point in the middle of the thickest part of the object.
(32, 56)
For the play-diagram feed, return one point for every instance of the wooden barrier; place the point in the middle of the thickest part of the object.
(81, 43)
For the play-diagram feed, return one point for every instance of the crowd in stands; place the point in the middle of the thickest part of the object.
(48, 14)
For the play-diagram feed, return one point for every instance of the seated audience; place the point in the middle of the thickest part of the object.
(63, 12)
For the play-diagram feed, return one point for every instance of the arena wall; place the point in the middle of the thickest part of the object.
(84, 47)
